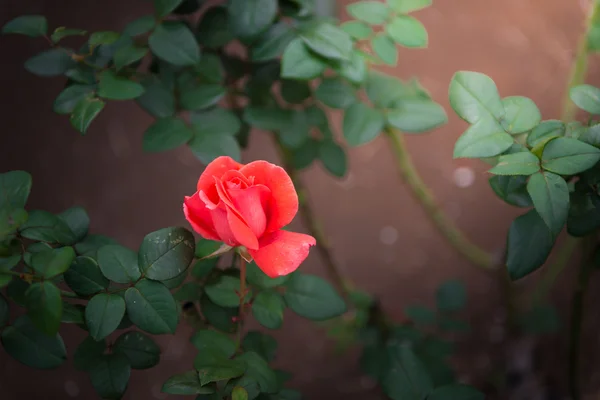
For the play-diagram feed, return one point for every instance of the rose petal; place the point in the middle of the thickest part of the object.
(199, 217)
(281, 252)
(251, 204)
(241, 231)
(218, 167)
(221, 224)
(284, 200)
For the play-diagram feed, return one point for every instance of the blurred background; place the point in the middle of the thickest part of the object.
(380, 235)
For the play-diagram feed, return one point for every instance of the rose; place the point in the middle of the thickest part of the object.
(247, 205)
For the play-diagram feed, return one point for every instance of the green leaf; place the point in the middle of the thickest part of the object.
(420, 315)
(166, 134)
(219, 368)
(213, 28)
(67, 99)
(16, 290)
(140, 26)
(25, 343)
(273, 42)
(372, 12)
(258, 369)
(248, 18)
(212, 340)
(407, 379)
(407, 6)
(485, 138)
(91, 243)
(62, 32)
(219, 317)
(312, 297)
(187, 383)
(385, 49)
(73, 314)
(529, 244)
(544, 131)
(166, 253)
(451, 296)
(333, 157)
(128, 54)
(202, 268)
(202, 96)
(357, 29)
(151, 307)
(298, 62)
(51, 263)
(335, 93)
(207, 147)
(550, 196)
(260, 343)
(77, 220)
(474, 97)
(586, 97)
(295, 92)
(327, 40)
(110, 376)
(224, 292)
(29, 25)
(386, 91)
(256, 277)
(103, 314)
(512, 189)
(157, 100)
(174, 43)
(141, 351)
(88, 353)
(53, 62)
(119, 264)
(189, 291)
(521, 163)
(271, 119)
(568, 156)
(355, 69)
(104, 37)
(239, 393)
(44, 307)
(407, 31)
(296, 132)
(114, 87)
(15, 187)
(456, 392)
(216, 121)
(591, 135)
(165, 7)
(4, 311)
(85, 111)
(267, 308)
(416, 116)
(362, 124)
(521, 114)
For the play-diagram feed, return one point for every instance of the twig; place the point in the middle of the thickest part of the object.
(455, 236)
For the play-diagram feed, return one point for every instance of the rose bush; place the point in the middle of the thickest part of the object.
(247, 205)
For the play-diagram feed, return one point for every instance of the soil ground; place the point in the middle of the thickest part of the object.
(381, 236)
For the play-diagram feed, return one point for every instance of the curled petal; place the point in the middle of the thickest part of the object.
(199, 217)
(241, 231)
(284, 200)
(251, 203)
(281, 252)
(217, 168)
(222, 226)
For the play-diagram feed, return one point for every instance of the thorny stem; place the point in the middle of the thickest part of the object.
(455, 236)
(585, 270)
(314, 227)
(580, 65)
(242, 295)
(576, 77)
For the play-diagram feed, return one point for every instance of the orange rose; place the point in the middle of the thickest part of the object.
(247, 205)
